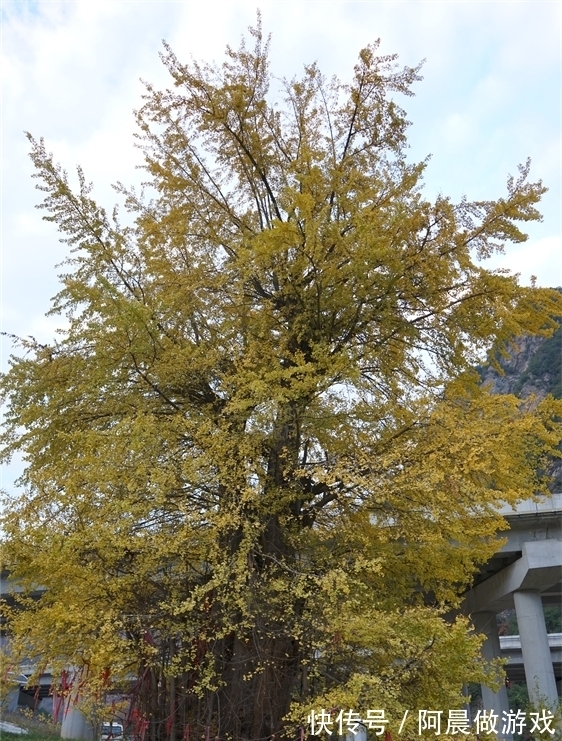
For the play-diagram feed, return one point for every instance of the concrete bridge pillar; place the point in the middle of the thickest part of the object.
(537, 660)
(75, 724)
(485, 622)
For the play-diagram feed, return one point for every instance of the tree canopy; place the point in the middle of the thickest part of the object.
(260, 469)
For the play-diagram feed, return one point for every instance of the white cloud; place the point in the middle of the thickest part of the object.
(541, 258)
(458, 129)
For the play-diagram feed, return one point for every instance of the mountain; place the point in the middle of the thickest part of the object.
(533, 367)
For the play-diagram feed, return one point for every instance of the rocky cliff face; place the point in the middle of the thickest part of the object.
(533, 368)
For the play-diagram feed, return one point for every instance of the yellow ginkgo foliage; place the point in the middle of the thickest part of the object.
(260, 469)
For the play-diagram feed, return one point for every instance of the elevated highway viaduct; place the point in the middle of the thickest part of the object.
(525, 574)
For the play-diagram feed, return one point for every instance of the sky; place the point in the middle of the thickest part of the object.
(72, 74)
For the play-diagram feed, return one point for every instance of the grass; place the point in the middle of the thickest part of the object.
(49, 734)
(39, 727)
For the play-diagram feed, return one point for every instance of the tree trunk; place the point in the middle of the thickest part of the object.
(258, 685)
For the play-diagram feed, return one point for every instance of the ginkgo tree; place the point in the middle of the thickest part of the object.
(259, 467)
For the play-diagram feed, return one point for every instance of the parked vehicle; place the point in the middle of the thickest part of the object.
(111, 731)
